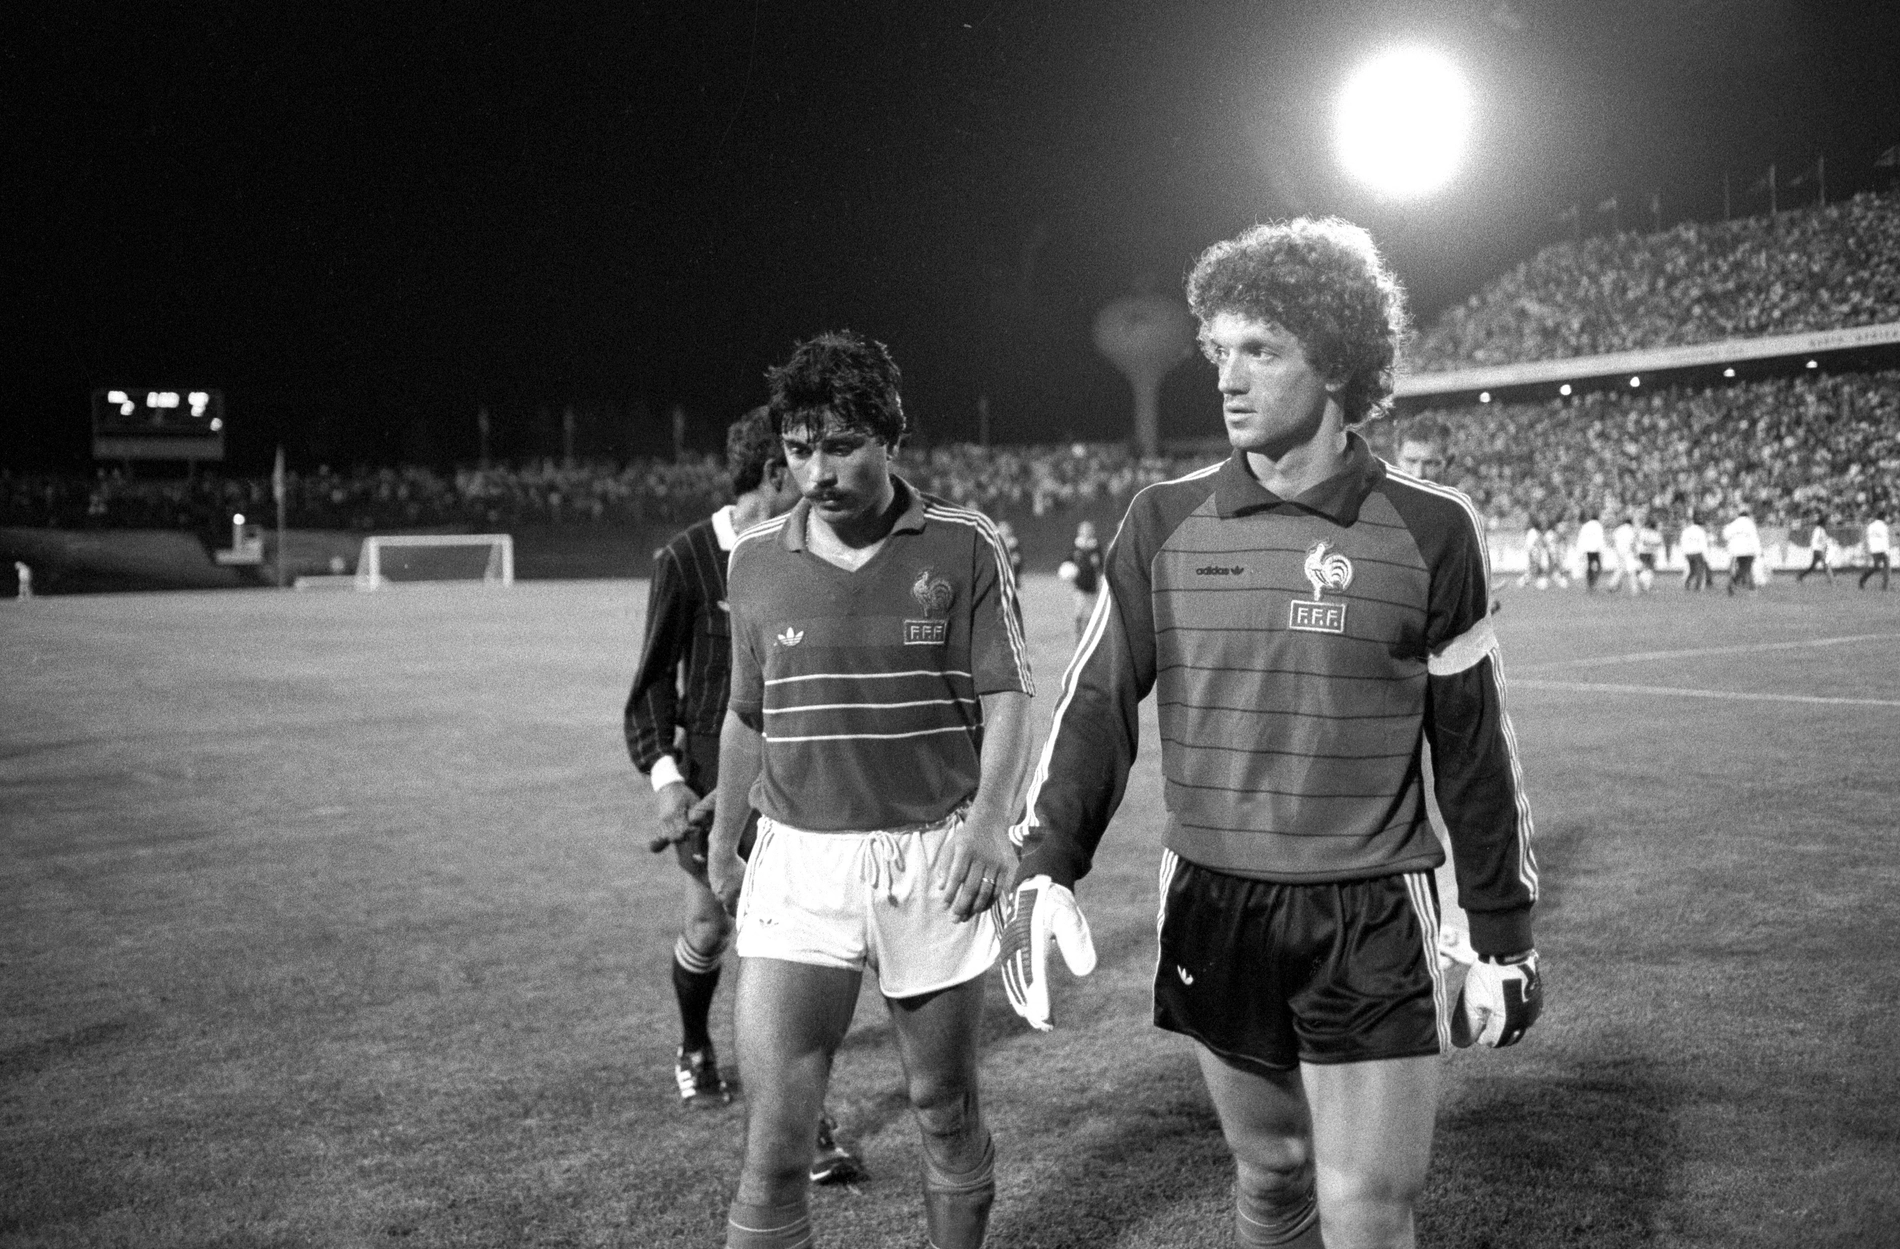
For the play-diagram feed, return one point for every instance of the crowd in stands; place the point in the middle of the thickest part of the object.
(1788, 449)
(1810, 269)
(644, 492)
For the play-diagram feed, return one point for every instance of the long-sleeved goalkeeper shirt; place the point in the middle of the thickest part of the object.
(1300, 650)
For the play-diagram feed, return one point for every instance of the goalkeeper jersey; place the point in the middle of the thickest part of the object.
(1301, 651)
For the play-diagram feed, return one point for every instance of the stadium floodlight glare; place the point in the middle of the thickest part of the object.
(1403, 122)
(1564, 389)
(1814, 364)
(1729, 371)
(1484, 396)
(1635, 380)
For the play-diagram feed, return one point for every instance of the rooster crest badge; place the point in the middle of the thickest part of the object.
(933, 595)
(1326, 569)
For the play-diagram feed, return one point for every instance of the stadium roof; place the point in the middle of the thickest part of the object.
(1500, 377)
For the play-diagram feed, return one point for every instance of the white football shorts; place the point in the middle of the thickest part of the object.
(858, 900)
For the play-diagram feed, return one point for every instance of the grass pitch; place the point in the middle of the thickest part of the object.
(327, 920)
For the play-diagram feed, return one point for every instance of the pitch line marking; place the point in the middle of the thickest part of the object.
(1750, 648)
(1729, 695)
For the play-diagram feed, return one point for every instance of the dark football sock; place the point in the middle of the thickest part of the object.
(695, 976)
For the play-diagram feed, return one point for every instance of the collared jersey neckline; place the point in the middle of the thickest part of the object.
(1237, 491)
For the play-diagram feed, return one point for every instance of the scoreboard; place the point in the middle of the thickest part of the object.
(137, 423)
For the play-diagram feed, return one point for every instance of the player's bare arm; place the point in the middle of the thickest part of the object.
(740, 751)
(977, 859)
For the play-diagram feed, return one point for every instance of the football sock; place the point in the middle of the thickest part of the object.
(1258, 1225)
(695, 976)
(957, 1207)
(750, 1226)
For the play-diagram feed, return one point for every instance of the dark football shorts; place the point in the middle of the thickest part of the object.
(1271, 975)
(701, 771)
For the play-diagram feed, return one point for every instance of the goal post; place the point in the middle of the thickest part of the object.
(394, 559)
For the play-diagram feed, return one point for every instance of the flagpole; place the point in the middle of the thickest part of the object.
(277, 489)
(1820, 173)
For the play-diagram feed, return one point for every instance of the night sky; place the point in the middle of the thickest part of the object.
(363, 222)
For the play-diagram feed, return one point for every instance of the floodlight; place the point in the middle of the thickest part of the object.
(1729, 372)
(1635, 381)
(1814, 364)
(1564, 389)
(1484, 396)
(1403, 122)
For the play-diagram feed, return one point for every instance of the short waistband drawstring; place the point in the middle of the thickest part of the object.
(884, 864)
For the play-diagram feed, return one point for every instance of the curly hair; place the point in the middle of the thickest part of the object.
(752, 449)
(841, 375)
(1323, 281)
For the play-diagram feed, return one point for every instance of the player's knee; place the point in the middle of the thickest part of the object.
(1369, 1208)
(945, 1106)
(1275, 1200)
(708, 935)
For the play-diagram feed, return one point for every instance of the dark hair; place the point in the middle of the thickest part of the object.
(752, 449)
(1322, 281)
(841, 375)
(1426, 429)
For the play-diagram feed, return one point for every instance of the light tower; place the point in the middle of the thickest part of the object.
(1145, 336)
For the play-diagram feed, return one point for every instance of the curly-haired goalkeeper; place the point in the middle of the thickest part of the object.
(1310, 619)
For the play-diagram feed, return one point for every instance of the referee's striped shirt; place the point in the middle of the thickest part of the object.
(686, 659)
(1300, 651)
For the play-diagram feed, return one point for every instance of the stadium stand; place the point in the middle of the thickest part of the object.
(1809, 441)
(1814, 269)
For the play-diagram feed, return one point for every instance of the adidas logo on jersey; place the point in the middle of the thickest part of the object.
(791, 636)
(1220, 570)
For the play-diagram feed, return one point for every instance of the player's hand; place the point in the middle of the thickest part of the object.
(676, 807)
(1454, 948)
(725, 874)
(973, 867)
(1500, 1001)
(1042, 909)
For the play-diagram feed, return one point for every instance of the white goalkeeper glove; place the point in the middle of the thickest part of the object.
(1500, 1001)
(1041, 909)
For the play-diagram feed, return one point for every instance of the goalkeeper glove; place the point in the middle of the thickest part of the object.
(1500, 1001)
(1040, 909)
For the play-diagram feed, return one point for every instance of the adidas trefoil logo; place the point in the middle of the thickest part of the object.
(791, 636)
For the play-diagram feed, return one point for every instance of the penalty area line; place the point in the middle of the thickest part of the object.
(1534, 683)
(1690, 652)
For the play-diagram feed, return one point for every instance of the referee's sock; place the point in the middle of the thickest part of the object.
(695, 976)
(1260, 1226)
(957, 1206)
(751, 1226)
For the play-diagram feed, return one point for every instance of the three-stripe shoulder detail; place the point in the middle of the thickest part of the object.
(1452, 495)
(1006, 582)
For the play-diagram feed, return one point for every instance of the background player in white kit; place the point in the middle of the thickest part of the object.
(1694, 542)
(1879, 542)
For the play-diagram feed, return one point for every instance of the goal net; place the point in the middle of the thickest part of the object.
(388, 559)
